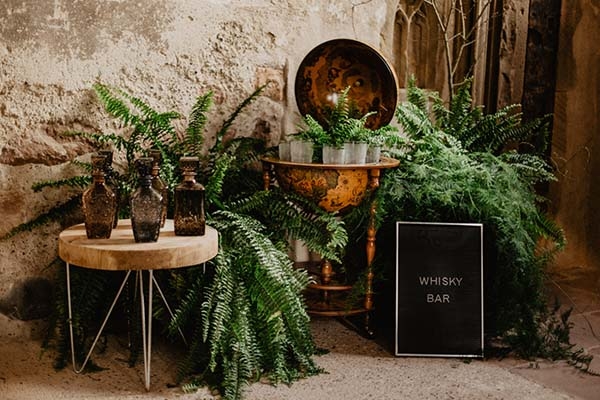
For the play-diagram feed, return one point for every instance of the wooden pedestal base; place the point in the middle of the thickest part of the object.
(336, 189)
(327, 297)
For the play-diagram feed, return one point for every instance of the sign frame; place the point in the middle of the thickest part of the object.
(480, 333)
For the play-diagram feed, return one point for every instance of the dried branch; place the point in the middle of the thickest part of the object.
(408, 11)
(464, 33)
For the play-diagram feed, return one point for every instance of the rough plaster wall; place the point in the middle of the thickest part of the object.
(576, 142)
(164, 51)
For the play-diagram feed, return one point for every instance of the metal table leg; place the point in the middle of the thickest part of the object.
(87, 357)
(146, 329)
(146, 320)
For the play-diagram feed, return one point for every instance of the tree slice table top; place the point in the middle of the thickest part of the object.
(121, 252)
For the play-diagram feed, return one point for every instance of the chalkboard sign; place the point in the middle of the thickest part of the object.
(439, 289)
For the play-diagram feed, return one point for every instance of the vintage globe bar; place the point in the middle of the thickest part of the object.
(327, 70)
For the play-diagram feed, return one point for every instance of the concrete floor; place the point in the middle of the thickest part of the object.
(357, 368)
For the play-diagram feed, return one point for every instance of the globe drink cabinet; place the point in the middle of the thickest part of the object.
(328, 70)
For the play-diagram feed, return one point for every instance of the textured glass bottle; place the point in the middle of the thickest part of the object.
(146, 204)
(111, 178)
(159, 185)
(189, 217)
(99, 203)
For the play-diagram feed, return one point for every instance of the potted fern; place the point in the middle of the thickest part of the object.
(455, 166)
(343, 138)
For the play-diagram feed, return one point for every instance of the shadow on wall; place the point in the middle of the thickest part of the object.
(28, 299)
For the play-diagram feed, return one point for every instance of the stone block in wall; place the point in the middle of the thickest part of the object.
(275, 79)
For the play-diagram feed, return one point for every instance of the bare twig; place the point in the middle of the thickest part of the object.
(462, 37)
(408, 11)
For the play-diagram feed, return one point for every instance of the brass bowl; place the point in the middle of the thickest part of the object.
(333, 187)
(331, 67)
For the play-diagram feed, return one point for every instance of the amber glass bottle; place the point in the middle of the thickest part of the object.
(189, 219)
(111, 178)
(99, 203)
(146, 204)
(159, 185)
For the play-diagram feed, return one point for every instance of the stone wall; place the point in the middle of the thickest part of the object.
(166, 52)
(576, 139)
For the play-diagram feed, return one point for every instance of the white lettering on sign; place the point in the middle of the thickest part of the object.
(438, 298)
(440, 280)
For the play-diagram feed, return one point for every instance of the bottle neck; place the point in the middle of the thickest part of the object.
(146, 181)
(98, 177)
(189, 177)
(155, 170)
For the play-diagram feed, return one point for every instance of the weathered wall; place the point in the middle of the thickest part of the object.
(512, 51)
(166, 52)
(576, 139)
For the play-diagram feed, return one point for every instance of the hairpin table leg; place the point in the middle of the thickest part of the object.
(87, 357)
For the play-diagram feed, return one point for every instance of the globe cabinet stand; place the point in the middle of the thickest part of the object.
(335, 188)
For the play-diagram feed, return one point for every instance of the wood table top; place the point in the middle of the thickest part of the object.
(121, 252)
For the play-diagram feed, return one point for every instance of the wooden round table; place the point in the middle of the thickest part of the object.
(122, 253)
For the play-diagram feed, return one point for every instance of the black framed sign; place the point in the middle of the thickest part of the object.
(439, 289)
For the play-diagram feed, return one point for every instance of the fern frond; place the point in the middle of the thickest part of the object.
(461, 103)
(214, 186)
(531, 168)
(155, 126)
(549, 229)
(340, 112)
(312, 131)
(56, 213)
(216, 309)
(296, 218)
(86, 166)
(416, 96)
(414, 120)
(194, 139)
(73, 182)
(438, 109)
(114, 105)
(100, 138)
(152, 126)
(492, 132)
(246, 150)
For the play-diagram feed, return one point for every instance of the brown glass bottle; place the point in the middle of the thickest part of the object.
(189, 219)
(111, 178)
(146, 204)
(159, 185)
(99, 203)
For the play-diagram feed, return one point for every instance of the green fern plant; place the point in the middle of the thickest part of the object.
(455, 166)
(343, 124)
(246, 317)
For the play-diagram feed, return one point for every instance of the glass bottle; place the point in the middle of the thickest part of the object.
(146, 204)
(111, 178)
(189, 219)
(99, 203)
(159, 185)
